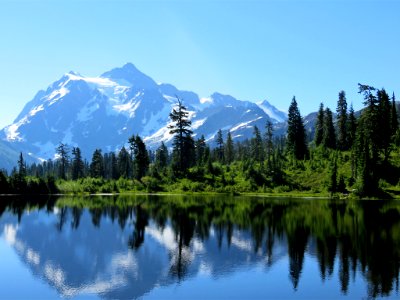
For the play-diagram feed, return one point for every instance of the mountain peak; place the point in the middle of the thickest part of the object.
(73, 73)
(103, 112)
(272, 111)
(129, 73)
(129, 66)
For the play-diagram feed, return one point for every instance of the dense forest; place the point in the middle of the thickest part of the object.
(349, 155)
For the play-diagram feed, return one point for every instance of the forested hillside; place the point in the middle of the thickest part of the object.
(349, 155)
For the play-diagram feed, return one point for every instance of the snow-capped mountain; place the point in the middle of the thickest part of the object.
(103, 112)
(272, 111)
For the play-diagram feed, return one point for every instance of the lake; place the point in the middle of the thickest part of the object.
(198, 247)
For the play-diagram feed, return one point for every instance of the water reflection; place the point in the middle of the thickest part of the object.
(123, 247)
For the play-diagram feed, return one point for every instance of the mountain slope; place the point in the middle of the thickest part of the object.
(103, 112)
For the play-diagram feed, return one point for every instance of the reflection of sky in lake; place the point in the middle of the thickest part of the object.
(47, 255)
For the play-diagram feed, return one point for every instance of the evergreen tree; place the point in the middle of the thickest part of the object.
(21, 166)
(63, 158)
(220, 146)
(256, 146)
(114, 166)
(161, 157)
(200, 149)
(333, 176)
(269, 143)
(329, 137)
(319, 126)
(189, 153)
(97, 165)
(77, 164)
(384, 122)
(229, 149)
(182, 137)
(296, 135)
(140, 157)
(371, 118)
(124, 163)
(4, 186)
(351, 127)
(366, 178)
(394, 121)
(341, 111)
(368, 143)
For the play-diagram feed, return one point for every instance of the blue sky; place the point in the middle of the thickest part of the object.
(252, 50)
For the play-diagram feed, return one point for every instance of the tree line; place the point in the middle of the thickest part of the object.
(364, 141)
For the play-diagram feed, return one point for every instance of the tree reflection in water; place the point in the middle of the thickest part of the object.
(363, 236)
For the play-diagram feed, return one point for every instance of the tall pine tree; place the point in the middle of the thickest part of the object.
(229, 149)
(124, 163)
(200, 150)
(77, 164)
(394, 121)
(63, 158)
(296, 135)
(341, 110)
(141, 159)
(180, 128)
(97, 165)
(269, 145)
(220, 146)
(351, 127)
(162, 157)
(384, 122)
(319, 126)
(257, 146)
(21, 166)
(329, 136)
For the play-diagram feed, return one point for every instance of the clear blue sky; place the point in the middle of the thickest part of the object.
(252, 50)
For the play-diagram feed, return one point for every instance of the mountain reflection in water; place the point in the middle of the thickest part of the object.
(120, 247)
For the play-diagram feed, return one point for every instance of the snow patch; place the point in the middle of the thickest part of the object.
(87, 111)
(244, 124)
(272, 112)
(170, 99)
(128, 108)
(12, 133)
(206, 100)
(156, 120)
(196, 124)
(57, 95)
(161, 135)
(35, 110)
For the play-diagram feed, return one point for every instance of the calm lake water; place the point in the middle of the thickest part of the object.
(211, 247)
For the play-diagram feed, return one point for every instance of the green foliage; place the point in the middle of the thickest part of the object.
(319, 126)
(141, 159)
(257, 151)
(183, 150)
(262, 164)
(229, 149)
(87, 185)
(329, 135)
(296, 136)
(341, 110)
(77, 164)
(97, 165)
(63, 158)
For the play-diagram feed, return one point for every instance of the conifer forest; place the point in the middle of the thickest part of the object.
(347, 154)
